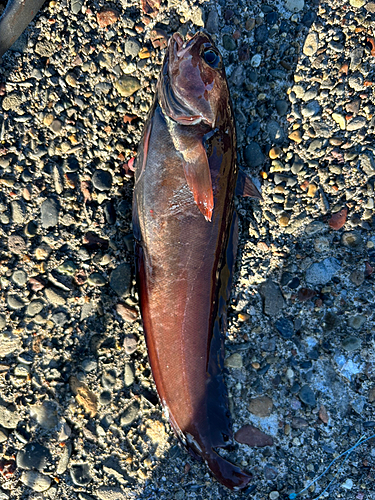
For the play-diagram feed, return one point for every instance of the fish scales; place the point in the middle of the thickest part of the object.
(185, 244)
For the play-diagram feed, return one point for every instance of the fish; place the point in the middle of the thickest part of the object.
(186, 231)
(17, 15)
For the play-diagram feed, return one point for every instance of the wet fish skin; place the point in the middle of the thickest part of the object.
(17, 15)
(185, 230)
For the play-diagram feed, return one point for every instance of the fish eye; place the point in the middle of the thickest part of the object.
(212, 58)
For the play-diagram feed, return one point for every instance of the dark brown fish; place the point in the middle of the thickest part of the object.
(17, 15)
(186, 238)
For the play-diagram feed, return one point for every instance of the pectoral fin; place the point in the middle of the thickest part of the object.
(198, 176)
(246, 187)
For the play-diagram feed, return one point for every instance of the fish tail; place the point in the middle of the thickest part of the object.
(227, 473)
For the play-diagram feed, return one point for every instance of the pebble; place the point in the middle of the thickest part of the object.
(229, 43)
(34, 456)
(110, 493)
(310, 46)
(9, 343)
(96, 279)
(128, 375)
(212, 22)
(15, 302)
(281, 107)
(307, 396)
(274, 495)
(130, 414)
(16, 245)
(130, 344)
(49, 213)
(285, 328)
(295, 136)
(46, 414)
(127, 85)
(253, 155)
(357, 321)
(352, 239)
(234, 361)
(120, 280)
(253, 437)
(102, 180)
(107, 17)
(261, 33)
(18, 212)
(105, 398)
(356, 123)
(19, 278)
(320, 273)
(275, 132)
(261, 407)
(54, 296)
(272, 297)
(127, 313)
(132, 47)
(35, 480)
(80, 474)
(351, 344)
(256, 60)
(76, 6)
(253, 129)
(34, 308)
(338, 219)
(9, 417)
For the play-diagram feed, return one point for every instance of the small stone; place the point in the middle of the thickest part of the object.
(274, 495)
(110, 492)
(34, 456)
(253, 129)
(352, 239)
(129, 415)
(59, 318)
(356, 123)
(234, 361)
(322, 272)
(275, 152)
(253, 155)
(80, 474)
(9, 343)
(46, 414)
(261, 407)
(34, 308)
(11, 102)
(299, 423)
(281, 107)
(253, 437)
(76, 6)
(351, 344)
(357, 277)
(311, 44)
(256, 60)
(68, 268)
(31, 229)
(42, 252)
(212, 22)
(284, 220)
(132, 47)
(102, 180)
(15, 302)
(340, 120)
(54, 296)
(120, 280)
(49, 213)
(105, 398)
(128, 375)
(19, 278)
(357, 322)
(130, 344)
(9, 417)
(285, 328)
(272, 296)
(338, 220)
(229, 43)
(35, 480)
(261, 33)
(357, 3)
(56, 126)
(16, 245)
(275, 132)
(127, 313)
(323, 415)
(18, 212)
(270, 472)
(307, 396)
(107, 17)
(295, 136)
(96, 279)
(127, 85)
(151, 7)
(84, 396)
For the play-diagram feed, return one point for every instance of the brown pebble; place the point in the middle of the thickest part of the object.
(337, 221)
(84, 396)
(275, 152)
(261, 407)
(253, 437)
(127, 313)
(159, 38)
(305, 294)
(312, 190)
(323, 415)
(299, 423)
(151, 7)
(284, 220)
(295, 136)
(336, 141)
(16, 245)
(107, 17)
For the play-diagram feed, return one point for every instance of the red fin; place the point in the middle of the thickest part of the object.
(246, 187)
(198, 177)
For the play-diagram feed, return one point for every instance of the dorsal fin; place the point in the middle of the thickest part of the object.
(246, 187)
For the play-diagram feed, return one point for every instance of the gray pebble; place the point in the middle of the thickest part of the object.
(261, 33)
(356, 82)
(105, 398)
(253, 155)
(356, 58)
(351, 344)
(102, 180)
(3, 322)
(110, 493)
(229, 43)
(128, 375)
(275, 132)
(34, 308)
(212, 23)
(310, 109)
(59, 318)
(356, 123)
(357, 321)
(132, 47)
(31, 229)
(34, 456)
(307, 396)
(19, 277)
(80, 474)
(15, 302)
(49, 213)
(322, 272)
(9, 343)
(89, 365)
(285, 328)
(96, 279)
(272, 297)
(120, 280)
(76, 6)
(281, 107)
(109, 379)
(18, 212)
(45, 414)
(130, 414)
(130, 344)
(352, 239)
(253, 129)
(9, 417)
(35, 480)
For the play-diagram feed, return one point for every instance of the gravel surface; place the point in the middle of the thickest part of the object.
(79, 415)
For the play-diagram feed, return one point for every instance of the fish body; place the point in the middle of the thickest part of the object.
(185, 232)
(17, 15)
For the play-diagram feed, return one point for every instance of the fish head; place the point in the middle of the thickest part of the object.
(193, 87)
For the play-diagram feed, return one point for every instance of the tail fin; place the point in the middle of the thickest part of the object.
(227, 473)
